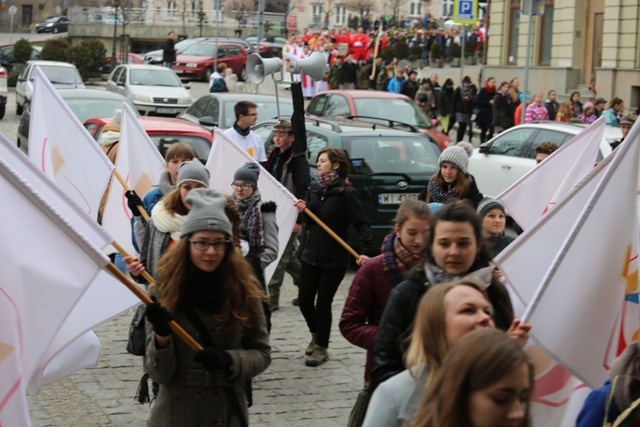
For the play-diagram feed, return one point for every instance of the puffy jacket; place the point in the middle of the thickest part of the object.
(337, 207)
(536, 111)
(503, 110)
(482, 103)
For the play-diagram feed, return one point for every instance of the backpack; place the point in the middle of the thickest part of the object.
(219, 85)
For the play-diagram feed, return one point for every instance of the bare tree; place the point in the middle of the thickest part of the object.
(328, 8)
(239, 9)
(395, 6)
(363, 7)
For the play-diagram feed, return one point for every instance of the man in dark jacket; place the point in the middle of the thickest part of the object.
(169, 50)
(292, 170)
(463, 106)
(551, 105)
(349, 73)
(410, 86)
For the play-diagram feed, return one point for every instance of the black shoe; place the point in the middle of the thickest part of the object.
(295, 302)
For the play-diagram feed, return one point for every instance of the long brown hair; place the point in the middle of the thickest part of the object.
(460, 187)
(478, 360)
(173, 202)
(566, 108)
(241, 287)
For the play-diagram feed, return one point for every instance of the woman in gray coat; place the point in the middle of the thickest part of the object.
(206, 286)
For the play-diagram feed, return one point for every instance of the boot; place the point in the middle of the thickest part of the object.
(312, 345)
(318, 357)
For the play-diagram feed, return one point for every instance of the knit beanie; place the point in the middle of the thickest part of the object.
(207, 212)
(248, 173)
(488, 204)
(456, 155)
(193, 170)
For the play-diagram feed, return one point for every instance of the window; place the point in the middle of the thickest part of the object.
(234, 51)
(27, 14)
(546, 34)
(514, 31)
(511, 143)
(316, 107)
(416, 8)
(316, 14)
(315, 143)
(338, 106)
(341, 15)
(200, 108)
(447, 7)
(544, 135)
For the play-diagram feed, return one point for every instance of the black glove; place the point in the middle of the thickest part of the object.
(159, 317)
(133, 201)
(213, 359)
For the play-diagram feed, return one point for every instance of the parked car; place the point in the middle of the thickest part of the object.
(53, 24)
(153, 89)
(374, 104)
(500, 162)
(155, 56)
(129, 58)
(6, 56)
(164, 132)
(216, 109)
(85, 103)
(61, 74)
(387, 165)
(270, 38)
(197, 61)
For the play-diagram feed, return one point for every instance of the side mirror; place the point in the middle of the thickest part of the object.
(207, 121)
(484, 148)
(120, 83)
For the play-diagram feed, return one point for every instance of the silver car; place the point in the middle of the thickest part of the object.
(153, 90)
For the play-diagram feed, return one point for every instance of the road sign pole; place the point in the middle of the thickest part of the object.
(11, 31)
(462, 54)
(526, 61)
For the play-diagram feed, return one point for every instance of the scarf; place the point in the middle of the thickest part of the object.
(326, 180)
(243, 132)
(436, 275)
(251, 222)
(202, 290)
(167, 222)
(491, 90)
(165, 185)
(396, 259)
(626, 367)
(109, 137)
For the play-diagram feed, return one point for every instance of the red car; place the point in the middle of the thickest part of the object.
(164, 132)
(375, 104)
(197, 61)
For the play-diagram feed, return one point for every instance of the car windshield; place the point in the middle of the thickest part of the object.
(392, 154)
(86, 108)
(200, 145)
(158, 77)
(266, 110)
(200, 49)
(52, 19)
(399, 110)
(60, 75)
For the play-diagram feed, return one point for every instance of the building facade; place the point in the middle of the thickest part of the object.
(591, 46)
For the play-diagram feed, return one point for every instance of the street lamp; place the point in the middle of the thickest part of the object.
(201, 16)
(116, 4)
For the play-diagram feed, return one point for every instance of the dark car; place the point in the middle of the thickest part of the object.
(85, 103)
(53, 24)
(6, 56)
(387, 165)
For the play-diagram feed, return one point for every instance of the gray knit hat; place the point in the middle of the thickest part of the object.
(249, 173)
(456, 155)
(207, 212)
(193, 170)
(488, 204)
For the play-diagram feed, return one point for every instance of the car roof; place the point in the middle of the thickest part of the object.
(610, 133)
(153, 125)
(144, 67)
(352, 128)
(365, 94)
(54, 63)
(247, 97)
(89, 93)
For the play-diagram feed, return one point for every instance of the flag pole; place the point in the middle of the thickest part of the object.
(126, 187)
(331, 233)
(175, 327)
(126, 254)
(375, 51)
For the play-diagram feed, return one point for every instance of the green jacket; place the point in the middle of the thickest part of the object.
(335, 75)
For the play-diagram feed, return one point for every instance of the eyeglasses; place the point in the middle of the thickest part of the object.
(240, 186)
(218, 245)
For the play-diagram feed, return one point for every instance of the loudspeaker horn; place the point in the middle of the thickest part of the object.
(259, 67)
(315, 66)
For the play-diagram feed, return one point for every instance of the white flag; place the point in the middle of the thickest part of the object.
(576, 268)
(140, 165)
(543, 186)
(104, 299)
(46, 267)
(63, 149)
(224, 159)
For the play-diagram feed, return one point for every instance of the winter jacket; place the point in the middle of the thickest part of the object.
(535, 111)
(482, 104)
(463, 99)
(440, 195)
(349, 72)
(397, 320)
(363, 308)
(335, 75)
(395, 85)
(190, 395)
(446, 102)
(503, 111)
(409, 88)
(593, 409)
(496, 244)
(337, 207)
(169, 51)
(363, 77)
(429, 106)
(291, 170)
(610, 117)
(552, 108)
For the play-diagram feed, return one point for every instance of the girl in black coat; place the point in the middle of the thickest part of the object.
(483, 105)
(323, 260)
(503, 108)
(446, 106)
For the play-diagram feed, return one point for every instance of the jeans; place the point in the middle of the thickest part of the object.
(167, 64)
(318, 286)
(484, 129)
(289, 263)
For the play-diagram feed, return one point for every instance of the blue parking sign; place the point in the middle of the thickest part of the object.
(465, 11)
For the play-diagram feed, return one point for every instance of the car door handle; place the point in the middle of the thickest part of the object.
(506, 167)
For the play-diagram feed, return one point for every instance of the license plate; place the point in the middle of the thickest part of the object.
(166, 110)
(178, 71)
(395, 198)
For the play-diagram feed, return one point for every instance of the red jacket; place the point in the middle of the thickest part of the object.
(363, 308)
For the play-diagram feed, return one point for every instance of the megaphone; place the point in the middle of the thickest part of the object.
(315, 66)
(259, 67)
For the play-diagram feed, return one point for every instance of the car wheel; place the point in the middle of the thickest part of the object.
(55, 30)
(18, 109)
(207, 74)
(243, 76)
